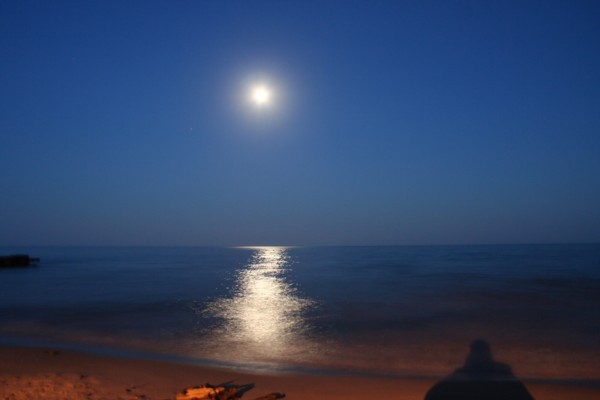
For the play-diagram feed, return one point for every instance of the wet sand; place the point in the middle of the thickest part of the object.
(27, 373)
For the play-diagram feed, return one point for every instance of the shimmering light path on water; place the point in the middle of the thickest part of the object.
(265, 316)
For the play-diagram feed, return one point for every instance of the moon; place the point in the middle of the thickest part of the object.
(261, 95)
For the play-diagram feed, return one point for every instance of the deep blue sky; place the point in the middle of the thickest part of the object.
(396, 122)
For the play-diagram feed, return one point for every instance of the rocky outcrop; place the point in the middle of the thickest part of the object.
(18, 260)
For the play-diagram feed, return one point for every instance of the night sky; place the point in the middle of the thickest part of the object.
(450, 122)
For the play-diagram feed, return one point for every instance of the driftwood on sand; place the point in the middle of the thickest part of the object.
(224, 391)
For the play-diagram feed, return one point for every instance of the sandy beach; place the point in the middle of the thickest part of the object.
(27, 373)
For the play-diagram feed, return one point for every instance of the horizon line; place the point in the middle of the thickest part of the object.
(253, 246)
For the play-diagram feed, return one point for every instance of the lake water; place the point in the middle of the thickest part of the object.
(410, 310)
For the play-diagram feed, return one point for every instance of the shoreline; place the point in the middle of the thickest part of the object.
(49, 373)
(275, 368)
(259, 368)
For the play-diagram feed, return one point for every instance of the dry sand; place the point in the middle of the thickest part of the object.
(32, 373)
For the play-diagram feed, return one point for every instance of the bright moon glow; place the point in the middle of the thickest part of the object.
(261, 95)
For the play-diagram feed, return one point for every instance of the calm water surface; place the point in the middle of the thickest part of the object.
(389, 310)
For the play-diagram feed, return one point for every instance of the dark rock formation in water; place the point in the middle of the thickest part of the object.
(18, 260)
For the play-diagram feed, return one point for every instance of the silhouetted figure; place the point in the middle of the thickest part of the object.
(481, 378)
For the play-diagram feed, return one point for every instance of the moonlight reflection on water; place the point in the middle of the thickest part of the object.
(263, 319)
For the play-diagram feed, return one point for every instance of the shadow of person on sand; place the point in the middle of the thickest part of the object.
(480, 378)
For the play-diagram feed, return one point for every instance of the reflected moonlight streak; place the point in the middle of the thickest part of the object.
(264, 318)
